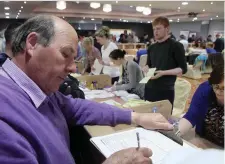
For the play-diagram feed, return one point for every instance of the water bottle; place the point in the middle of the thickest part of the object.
(154, 109)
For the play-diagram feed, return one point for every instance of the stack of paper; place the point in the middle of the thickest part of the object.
(148, 75)
(92, 94)
(158, 143)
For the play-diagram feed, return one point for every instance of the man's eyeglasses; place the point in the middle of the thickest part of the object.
(219, 90)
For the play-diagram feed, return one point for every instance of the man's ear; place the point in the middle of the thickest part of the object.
(31, 43)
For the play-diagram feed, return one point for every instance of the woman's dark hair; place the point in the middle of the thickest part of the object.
(217, 74)
(215, 59)
(117, 53)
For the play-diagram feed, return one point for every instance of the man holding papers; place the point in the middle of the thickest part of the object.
(168, 57)
(34, 117)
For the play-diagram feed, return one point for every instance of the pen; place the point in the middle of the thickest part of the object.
(138, 140)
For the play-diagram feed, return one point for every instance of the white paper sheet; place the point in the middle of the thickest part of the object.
(98, 67)
(158, 143)
(150, 73)
(111, 102)
(91, 94)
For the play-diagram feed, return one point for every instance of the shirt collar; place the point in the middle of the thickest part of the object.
(24, 82)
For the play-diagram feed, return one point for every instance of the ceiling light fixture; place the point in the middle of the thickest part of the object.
(203, 10)
(63, 17)
(124, 20)
(7, 17)
(131, 6)
(95, 5)
(61, 5)
(211, 19)
(24, 2)
(171, 20)
(6, 8)
(140, 8)
(83, 17)
(6, 13)
(179, 8)
(184, 3)
(195, 18)
(211, 3)
(19, 10)
(147, 11)
(116, 1)
(18, 13)
(77, 2)
(107, 8)
(141, 22)
(111, 20)
(217, 16)
(21, 7)
(150, 4)
(178, 19)
(149, 22)
(92, 19)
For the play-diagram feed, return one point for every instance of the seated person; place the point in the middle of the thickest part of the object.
(8, 37)
(140, 52)
(91, 53)
(209, 48)
(131, 74)
(206, 111)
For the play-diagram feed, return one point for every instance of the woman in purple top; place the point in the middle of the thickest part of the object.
(206, 111)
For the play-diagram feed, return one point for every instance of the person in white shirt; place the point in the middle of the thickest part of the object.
(184, 42)
(102, 37)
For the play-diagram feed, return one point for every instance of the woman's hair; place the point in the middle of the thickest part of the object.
(117, 53)
(88, 40)
(217, 74)
(210, 44)
(215, 59)
(103, 32)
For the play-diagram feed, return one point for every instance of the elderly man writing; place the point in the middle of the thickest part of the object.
(34, 117)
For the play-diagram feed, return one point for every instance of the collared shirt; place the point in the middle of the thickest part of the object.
(11, 71)
(34, 127)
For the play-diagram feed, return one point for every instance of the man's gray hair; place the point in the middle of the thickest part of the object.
(41, 24)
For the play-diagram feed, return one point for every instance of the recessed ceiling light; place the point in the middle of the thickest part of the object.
(149, 22)
(25, 2)
(7, 17)
(211, 3)
(131, 6)
(6, 13)
(124, 20)
(63, 17)
(203, 10)
(19, 10)
(141, 22)
(92, 19)
(217, 16)
(178, 19)
(184, 3)
(83, 17)
(179, 8)
(18, 13)
(111, 20)
(211, 19)
(6, 8)
(116, 1)
(120, 19)
(150, 4)
(21, 7)
(171, 20)
(77, 2)
(127, 21)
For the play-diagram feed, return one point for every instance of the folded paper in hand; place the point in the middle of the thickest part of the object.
(98, 68)
(150, 73)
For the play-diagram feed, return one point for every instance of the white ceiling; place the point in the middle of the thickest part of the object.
(122, 10)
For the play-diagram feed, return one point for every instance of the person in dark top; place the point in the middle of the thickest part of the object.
(172, 36)
(209, 38)
(122, 38)
(168, 57)
(206, 111)
(8, 38)
(219, 43)
(191, 39)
